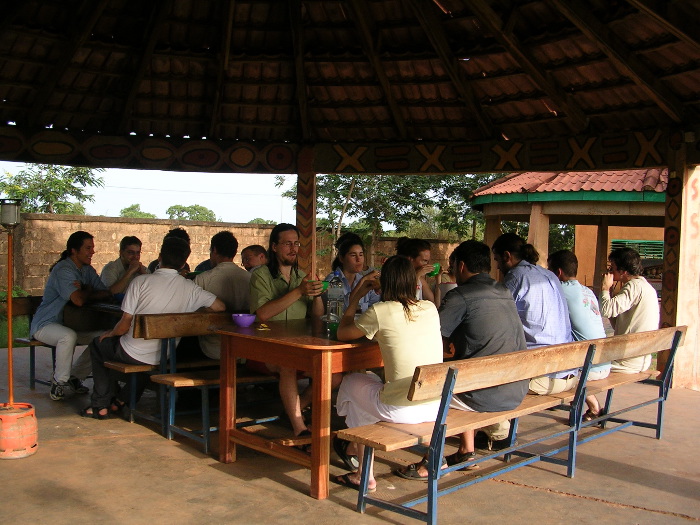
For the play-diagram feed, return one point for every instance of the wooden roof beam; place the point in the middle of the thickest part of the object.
(301, 87)
(360, 12)
(158, 16)
(682, 30)
(81, 31)
(427, 16)
(490, 19)
(224, 57)
(621, 57)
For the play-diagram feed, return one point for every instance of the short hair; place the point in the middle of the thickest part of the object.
(128, 241)
(411, 247)
(516, 246)
(256, 249)
(174, 252)
(398, 279)
(180, 233)
(474, 254)
(627, 260)
(564, 260)
(225, 243)
(343, 245)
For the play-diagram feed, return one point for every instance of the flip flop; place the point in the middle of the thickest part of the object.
(345, 481)
(95, 414)
(411, 471)
(454, 459)
(341, 449)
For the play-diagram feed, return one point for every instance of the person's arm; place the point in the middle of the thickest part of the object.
(317, 306)
(217, 306)
(279, 305)
(347, 330)
(135, 268)
(613, 306)
(120, 328)
(86, 294)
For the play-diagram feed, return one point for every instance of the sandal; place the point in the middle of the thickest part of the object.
(590, 415)
(345, 481)
(306, 447)
(94, 412)
(456, 458)
(411, 471)
(116, 406)
(341, 449)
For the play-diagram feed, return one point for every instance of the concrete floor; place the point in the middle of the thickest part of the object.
(89, 471)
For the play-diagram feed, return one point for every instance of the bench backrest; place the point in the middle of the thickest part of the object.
(483, 372)
(165, 326)
(22, 305)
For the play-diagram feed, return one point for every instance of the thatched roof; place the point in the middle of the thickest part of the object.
(323, 71)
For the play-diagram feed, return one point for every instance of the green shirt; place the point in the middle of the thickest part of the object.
(265, 288)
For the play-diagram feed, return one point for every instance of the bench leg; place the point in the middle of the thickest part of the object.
(32, 368)
(608, 404)
(172, 400)
(132, 397)
(206, 425)
(660, 414)
(367, 461)
(512, 435)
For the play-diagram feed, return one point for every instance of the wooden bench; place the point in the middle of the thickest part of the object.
(174, 375)
(442, 380)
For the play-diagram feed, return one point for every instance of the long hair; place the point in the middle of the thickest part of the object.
(399, 280)
(272, 263)
(517, 247)
(74, 242)
(343, 245)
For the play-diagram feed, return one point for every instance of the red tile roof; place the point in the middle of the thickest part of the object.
(654, 179)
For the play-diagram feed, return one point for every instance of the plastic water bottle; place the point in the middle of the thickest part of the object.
(336, 296)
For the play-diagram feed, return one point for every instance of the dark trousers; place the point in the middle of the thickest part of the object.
(110, 349)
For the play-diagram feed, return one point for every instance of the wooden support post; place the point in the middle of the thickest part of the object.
(538, 234)
(306, 211)
(601, 254)
(680, 294)
(492, 231)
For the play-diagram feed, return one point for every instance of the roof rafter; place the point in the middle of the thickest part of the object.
(621, 57)
(158, 16)
(428, 19)
(687, 34)
(81, 31)
(360, 12)
(543, 79)
(224, 57)
(301, 87)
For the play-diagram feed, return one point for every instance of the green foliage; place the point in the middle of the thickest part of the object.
(194, 212)
(561, 236)
(46, 188)
(16, 292)
(261, 221)
(134, 212)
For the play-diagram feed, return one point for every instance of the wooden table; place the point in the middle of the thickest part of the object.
(298, 344)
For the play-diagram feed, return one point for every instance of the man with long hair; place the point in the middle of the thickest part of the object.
(72, 279)
(279, 291)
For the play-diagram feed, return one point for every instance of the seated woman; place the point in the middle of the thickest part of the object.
(349, 265)
(418, 252)
(408, 333)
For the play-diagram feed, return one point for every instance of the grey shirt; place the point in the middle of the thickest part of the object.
(479, 317)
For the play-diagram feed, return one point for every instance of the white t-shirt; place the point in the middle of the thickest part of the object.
(163, 292)
(404, 344)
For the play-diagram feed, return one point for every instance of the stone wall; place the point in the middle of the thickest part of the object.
(40, 239)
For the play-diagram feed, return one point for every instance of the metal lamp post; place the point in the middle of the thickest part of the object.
(18, 426)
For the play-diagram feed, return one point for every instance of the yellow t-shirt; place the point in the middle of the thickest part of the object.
(404, 344)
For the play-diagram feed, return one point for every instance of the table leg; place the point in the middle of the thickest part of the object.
(227, 401)
(321, 425)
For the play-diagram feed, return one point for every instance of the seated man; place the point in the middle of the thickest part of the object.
(253, 257)
(163, 292)
(584, 314)
(480, 319)
(180, 233)
(72, 279)
(278, 291)
(117, 275)
(228, 281)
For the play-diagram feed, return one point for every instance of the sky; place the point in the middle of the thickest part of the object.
(233, 197)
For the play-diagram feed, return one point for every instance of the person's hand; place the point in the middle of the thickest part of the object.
(134, 267)
(368, 282)
(311, 288)
(608, 281)
(78, 285)
(104, 336)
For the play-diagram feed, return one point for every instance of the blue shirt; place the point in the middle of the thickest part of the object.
(59, 287)
(366, 301)
(541, 306)
(584, 314)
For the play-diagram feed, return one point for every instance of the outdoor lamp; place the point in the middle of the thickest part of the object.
(9, 212)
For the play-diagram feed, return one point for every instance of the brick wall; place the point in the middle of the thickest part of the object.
(40, 239)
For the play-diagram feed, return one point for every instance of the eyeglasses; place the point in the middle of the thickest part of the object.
(132, 252)
(289, 244)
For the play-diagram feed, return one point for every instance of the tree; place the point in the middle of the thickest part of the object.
(46, 188)
(134, 212)
(194, 212)
(261, 221)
